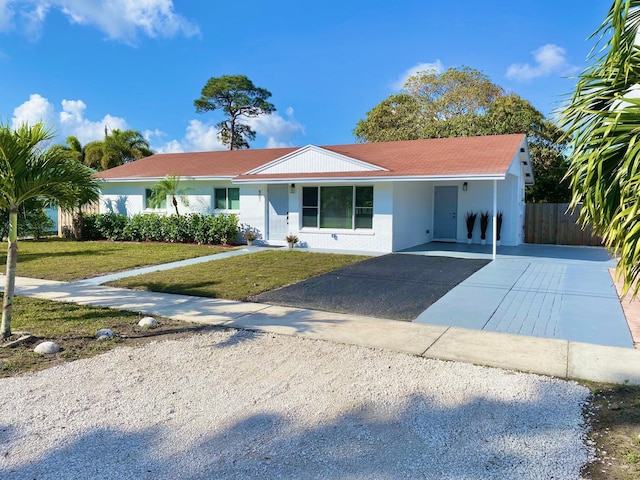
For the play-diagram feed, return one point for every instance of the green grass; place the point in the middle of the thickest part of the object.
(240, 278)
(73, 327)
(57, 259)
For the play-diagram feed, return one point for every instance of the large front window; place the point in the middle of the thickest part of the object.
(337, 207)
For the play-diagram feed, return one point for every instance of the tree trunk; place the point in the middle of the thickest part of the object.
(10, 280)
(78, 225)
(175, 205)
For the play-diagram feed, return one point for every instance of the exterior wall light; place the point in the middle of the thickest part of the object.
(292, 188)
(465, 186)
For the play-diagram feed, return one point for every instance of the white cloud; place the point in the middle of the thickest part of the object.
(121, 20)
(73, 122)
(279, 130)
(6, 16)
(201, 137)
(435, 67)
(198, 137)
(36, 109)
(69, 121)
(550, 60)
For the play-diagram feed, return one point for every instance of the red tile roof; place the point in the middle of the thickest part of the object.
(487, 155)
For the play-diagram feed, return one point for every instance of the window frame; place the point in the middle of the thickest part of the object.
(147, 195)
(355, 217)
(227, 199)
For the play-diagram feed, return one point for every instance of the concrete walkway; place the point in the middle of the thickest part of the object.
(559, 358)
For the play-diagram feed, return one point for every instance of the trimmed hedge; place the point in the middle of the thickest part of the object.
(207, 229)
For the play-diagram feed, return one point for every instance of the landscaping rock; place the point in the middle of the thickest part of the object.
(105, 334)
(47, 348)
(148, 322)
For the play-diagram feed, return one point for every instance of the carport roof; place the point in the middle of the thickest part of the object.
(486, 156)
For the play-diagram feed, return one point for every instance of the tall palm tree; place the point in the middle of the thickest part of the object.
(169, 187)
(603, 124)
(27, 171)
(123, 146)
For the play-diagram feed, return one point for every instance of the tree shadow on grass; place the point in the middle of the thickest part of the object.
(493, 439)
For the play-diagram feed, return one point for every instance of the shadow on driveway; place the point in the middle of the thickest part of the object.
(394, 286)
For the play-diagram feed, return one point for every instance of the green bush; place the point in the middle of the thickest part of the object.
(206, 229)
(112, 225)
(90, 228)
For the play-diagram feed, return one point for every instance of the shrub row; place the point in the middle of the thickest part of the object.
(208, 229)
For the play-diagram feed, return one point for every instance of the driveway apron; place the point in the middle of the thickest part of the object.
(563, 298)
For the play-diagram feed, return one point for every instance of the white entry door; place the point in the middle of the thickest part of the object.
(445, 212)
(278, 196)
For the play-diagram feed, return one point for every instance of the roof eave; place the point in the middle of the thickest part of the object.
(399, 178)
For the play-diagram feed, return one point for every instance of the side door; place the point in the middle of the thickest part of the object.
(445, 212)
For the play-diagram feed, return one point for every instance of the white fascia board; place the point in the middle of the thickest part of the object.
(157, 179)
(443, 178)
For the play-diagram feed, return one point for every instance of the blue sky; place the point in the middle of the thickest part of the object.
(80, 65)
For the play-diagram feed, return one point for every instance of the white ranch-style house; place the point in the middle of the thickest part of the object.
(374, 197)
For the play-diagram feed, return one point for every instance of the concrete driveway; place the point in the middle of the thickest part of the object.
(537, 290)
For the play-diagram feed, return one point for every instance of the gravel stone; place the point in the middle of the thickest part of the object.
(47, 348)
(242, 405)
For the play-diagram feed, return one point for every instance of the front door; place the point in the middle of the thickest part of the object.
(445, 210)
(278, 196)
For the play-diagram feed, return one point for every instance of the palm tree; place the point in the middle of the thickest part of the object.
(123, 146)
(169, 187)
(603, 123)
(27, 171)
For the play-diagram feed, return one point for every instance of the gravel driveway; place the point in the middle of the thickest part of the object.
(242, 405)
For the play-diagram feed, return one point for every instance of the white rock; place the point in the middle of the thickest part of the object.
(47, 348)
(105, 334)
(148, 322)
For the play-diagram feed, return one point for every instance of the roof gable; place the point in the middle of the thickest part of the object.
(312, 159)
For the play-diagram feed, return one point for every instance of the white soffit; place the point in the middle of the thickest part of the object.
(312, 159)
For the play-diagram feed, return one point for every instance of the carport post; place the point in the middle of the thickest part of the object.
(495, 208)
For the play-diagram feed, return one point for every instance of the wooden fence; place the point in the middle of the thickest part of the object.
(552, 223)
(65, 219)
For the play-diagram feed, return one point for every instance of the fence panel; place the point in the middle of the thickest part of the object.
(65, 219)
(552, 223)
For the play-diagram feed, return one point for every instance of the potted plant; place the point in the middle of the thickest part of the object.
(484, 223)
(470, 220)
(291, 239)
(250, 235)
(498, 226)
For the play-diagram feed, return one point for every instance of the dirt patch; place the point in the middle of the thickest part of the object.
(21, 358)
(614, 416)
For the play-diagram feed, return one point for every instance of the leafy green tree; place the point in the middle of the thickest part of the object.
(602, 122)
(169, 187)
(463, 102)
(28, 171)
(238, 98)
(123, 146)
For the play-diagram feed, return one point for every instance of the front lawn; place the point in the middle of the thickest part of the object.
(240, 278)
(58, 259)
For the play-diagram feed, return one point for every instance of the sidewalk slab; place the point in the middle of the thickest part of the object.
(350, 329)
(513, 352)
(598, 363)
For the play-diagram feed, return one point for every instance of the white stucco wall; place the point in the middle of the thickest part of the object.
(479, 198)
(412, 214)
